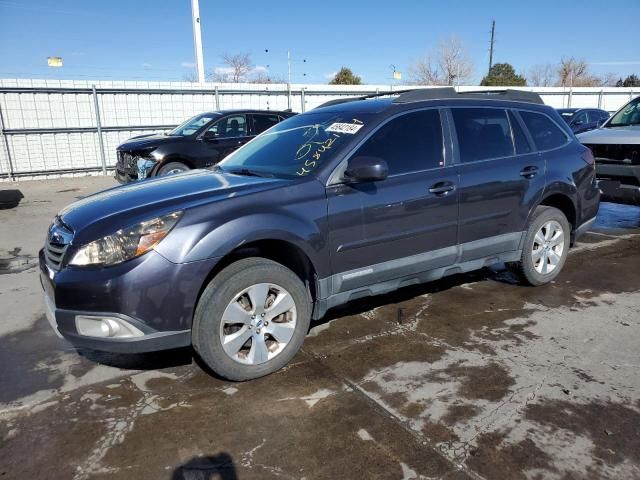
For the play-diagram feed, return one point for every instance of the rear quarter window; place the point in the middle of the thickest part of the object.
(545, 133)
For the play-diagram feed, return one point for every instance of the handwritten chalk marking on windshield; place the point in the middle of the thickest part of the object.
(349, 128)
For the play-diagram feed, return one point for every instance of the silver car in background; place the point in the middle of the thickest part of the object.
(616, 148)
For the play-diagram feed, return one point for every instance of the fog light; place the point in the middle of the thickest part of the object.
(106, 327)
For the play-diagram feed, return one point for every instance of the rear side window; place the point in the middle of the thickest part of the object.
(483, 133)
(264, 122)
(519, 137)
(408, 143)
(546, 134)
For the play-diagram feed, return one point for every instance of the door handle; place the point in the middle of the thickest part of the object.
(529, 172)
(441, 188)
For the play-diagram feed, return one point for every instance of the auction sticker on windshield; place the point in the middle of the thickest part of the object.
(350, 128)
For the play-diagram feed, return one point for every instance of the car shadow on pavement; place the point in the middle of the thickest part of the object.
(141, 361)
(211, 467)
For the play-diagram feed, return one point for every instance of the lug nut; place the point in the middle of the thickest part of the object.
(258, 330)
(262, 315)
(266, 323)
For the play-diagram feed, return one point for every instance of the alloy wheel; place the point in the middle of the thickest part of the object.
(548, 247)
(258, 323)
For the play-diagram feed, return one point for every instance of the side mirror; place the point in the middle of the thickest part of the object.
(210, 135)
(366, 169)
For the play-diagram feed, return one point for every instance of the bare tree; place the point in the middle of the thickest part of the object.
(235, 70)
(609, 79)
(265, 77)
(542, 75)
(575, 73)
(423, 72)
(448, 65)
(454, 62)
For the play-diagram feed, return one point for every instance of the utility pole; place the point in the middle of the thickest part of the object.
(197, 39)
(493, 32)
(289, 67)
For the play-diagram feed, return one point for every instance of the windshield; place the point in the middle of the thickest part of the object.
(192, 125)
(629, 115)
(296, 147)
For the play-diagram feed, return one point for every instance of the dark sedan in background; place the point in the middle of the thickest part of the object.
(200, 142)
(583, 119)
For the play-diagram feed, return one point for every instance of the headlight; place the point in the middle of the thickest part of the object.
(127, 243)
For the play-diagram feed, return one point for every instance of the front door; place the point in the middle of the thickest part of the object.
(404, 224)
(225, 136)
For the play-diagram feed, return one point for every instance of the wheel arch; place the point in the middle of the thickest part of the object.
(282, 251)
(173, 158)
(564, 202)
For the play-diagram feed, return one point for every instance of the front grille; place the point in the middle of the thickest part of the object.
(58, 239)
(616, 153)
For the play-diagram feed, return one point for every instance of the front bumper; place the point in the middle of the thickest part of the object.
(150, 293)
(619, 183)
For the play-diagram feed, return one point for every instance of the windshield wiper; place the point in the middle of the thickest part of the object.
(249, 173)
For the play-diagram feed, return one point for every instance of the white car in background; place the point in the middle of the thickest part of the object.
(616, 148)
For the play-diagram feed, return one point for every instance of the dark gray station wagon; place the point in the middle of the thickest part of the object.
(356, 198)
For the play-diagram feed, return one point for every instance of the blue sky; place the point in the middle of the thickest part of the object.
(146, 39)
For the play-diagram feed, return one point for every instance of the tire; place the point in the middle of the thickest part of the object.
(225, 317)
(172, 168)
(543, 258)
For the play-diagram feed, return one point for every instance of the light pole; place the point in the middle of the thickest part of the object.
(197, 39)
(304, 60)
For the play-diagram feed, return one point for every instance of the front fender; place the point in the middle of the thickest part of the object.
(201, 241)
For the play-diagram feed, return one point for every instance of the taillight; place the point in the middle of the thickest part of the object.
(588, 157)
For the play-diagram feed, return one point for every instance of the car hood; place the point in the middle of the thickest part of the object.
(105, 212)
(146, 141)
(621, 135)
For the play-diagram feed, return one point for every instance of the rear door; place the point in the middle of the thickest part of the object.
(500, 178)
(404, 224)
(259, 122)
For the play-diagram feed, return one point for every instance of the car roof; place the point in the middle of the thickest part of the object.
(388, 106)
(248, 110)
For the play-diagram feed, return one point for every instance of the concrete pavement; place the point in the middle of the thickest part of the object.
(473, 376)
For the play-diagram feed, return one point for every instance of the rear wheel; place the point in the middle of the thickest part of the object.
(251, 319)
(546, 247)
(172, 168)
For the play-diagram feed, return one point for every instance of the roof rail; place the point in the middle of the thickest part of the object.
(337, 101)
(509, 94)
(449, 92)
(441, 93)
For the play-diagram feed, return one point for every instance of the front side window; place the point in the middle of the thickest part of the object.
(483, 133)
(408, 143)
(546, 134)
(229, 127)
(192, 125)
(298, 146)
(629, 115)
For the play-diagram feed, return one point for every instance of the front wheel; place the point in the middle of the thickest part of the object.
(546, 246)
(251, 319)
